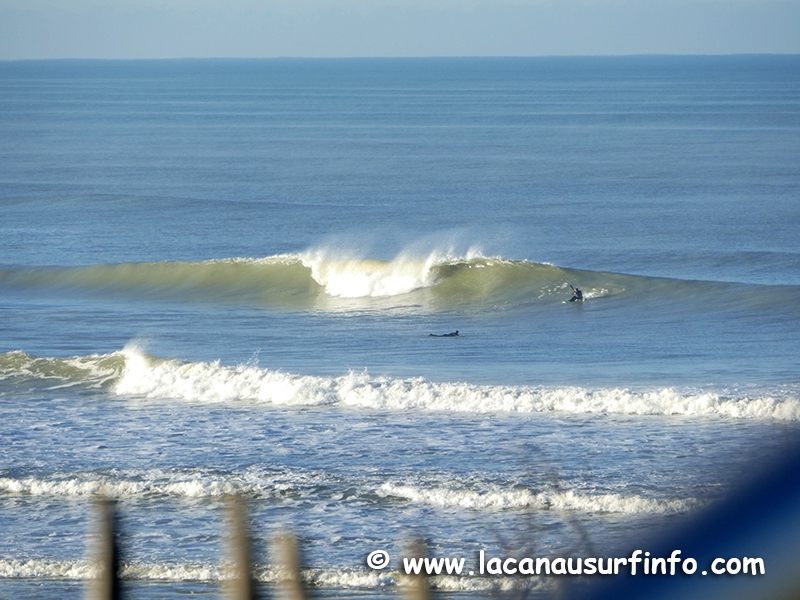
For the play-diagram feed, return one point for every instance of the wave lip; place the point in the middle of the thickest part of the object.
(349, 277)
(317, 277)
(298, 280)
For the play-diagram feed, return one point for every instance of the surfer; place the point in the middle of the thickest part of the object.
(453, 334)
(577, 295)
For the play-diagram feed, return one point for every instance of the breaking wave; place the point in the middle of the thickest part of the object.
(308, 280)
(134, 374)
(568, 500)
(327, 280)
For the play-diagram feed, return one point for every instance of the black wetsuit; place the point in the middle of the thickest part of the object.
(577, 295)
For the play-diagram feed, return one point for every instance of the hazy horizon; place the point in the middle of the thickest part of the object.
(46, 29)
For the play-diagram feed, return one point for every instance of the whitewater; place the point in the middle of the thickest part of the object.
(131, 373)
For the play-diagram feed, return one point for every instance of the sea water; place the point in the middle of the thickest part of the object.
(221, 277)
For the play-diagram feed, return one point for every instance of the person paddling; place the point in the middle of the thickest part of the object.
(577, 295)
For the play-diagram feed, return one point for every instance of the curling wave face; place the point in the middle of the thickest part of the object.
(316, 279)
(305, 280)
(132, 373)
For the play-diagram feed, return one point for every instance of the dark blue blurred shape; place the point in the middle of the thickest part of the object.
(760, 520)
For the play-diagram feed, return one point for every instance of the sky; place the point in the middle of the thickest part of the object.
(31, 29)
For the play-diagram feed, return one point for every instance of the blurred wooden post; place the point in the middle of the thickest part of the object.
(243, 585)
(106, 586)
(289, 558)
(417, 588)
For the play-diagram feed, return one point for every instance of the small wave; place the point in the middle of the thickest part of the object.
(83, 485)
(193, 484)
(47, 569)
(291, 486)
(334, 578)
(569, 500)
(93, 371)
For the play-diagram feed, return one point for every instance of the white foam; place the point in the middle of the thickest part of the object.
(171, 572)
(353, 277)
(359, 389)
(348, 578)
(148, 377)
(345, 578)
(84, 485)
(523, 498)
(198, 484)
(86, 569)
(358, 278)
(47, 569)
(194, 483)
(191, 483)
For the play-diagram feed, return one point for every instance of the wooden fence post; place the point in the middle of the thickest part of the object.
(243, 584)
(289, 559)
(106, 554)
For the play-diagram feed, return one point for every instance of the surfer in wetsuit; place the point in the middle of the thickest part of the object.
(577, 295)
(454, 334)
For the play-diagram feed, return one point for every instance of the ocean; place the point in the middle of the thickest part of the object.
(229, 277)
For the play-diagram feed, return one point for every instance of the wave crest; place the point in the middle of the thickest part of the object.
(359, 278)
(317, 278)
(211, 382)
(132, 373)
(306, 280)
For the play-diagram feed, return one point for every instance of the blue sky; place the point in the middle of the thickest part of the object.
(334, 28)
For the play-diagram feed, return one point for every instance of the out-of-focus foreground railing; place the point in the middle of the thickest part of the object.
(241, 585)
(761, 519)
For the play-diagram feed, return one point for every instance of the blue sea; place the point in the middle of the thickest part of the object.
(221, 277)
